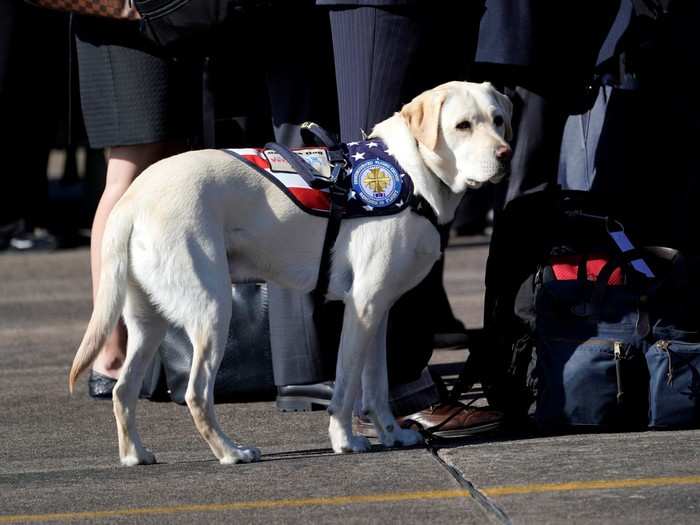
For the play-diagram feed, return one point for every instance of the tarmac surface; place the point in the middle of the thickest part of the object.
(59, 461)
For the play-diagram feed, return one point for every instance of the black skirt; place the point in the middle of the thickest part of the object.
(130, 92)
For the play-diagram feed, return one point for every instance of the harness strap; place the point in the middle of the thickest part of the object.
(423, 208)
(338, 199)
(312, 133)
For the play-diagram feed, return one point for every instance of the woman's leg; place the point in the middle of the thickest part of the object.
(124, 165)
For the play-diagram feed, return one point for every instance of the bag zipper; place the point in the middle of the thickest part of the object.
(617, 352)
(665, 346)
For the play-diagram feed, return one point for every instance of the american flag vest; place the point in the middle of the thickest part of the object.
(374, 184)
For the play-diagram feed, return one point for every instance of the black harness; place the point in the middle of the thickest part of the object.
(342, 202)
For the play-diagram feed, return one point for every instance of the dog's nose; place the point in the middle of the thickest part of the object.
(504, 152)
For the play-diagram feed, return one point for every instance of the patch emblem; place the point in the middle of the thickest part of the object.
(376, 182)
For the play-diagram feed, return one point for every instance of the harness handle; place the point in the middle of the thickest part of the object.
(312, 177)
(313, 134)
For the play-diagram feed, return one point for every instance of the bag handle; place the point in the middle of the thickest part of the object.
(679, 268)
(662, 253)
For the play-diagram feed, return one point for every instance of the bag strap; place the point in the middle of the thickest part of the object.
(679, 268)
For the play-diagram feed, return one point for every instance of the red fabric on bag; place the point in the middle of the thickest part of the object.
(565, 268)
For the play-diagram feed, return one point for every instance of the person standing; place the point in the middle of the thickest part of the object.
(134, 103)
(387, 52)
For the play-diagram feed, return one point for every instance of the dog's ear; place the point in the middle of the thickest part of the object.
(507, 106)
(422, 115)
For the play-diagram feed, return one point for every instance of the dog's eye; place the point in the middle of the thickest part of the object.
(465, 124)
(498, 120)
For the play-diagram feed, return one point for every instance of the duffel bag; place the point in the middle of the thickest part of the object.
(611, 342)
(673, 350)
(674, 387)
(590, 369)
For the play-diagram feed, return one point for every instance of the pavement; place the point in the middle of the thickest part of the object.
(59, 461)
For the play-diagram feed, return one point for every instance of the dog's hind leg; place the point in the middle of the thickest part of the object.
(146, 329)
(208, 334)
(375, 395)
(359, 328)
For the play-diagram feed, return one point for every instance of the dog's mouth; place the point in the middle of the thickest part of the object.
(473, 184)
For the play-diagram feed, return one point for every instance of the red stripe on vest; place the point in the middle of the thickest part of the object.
(312, 198)
(306, 196)
(258, 161)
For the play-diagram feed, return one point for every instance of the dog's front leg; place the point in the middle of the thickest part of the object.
(359, 329)
(375, 395)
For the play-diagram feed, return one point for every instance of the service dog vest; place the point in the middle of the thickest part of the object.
(376, 184)
(343, 181)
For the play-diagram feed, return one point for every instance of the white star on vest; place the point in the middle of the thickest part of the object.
(358, 156)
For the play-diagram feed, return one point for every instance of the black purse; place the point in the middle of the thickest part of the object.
(117, 9)
(246, 371)
(189, 25)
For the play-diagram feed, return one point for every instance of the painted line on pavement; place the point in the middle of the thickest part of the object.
(243, 505)
(350, 500)
(535, 488)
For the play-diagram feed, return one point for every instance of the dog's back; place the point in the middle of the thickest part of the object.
(176, 228)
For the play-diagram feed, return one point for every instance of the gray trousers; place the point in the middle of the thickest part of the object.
(297, 358)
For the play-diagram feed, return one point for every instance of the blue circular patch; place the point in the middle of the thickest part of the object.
(376, 182)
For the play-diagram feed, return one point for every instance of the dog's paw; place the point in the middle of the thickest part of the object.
(407, 437)
(142, 457)
(241, 455)
(354, 445)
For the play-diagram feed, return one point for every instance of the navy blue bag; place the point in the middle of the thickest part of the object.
(616, 349)
(673, 349)
(575, 331)
(590, 369)
(674, 387)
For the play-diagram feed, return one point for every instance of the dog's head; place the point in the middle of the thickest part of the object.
(462, 130)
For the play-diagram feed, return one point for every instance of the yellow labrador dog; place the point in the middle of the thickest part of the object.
(192, 222)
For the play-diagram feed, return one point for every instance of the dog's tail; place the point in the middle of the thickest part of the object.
(111, 292)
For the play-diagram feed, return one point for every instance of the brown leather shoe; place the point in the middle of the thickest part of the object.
(446, 420)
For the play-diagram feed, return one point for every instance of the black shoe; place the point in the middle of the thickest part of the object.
(99, 386)
(304, 398)
(7, 232)
(37, 240)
